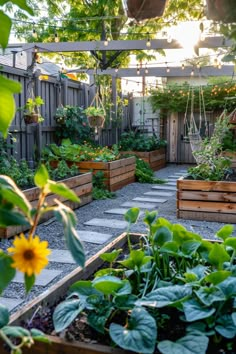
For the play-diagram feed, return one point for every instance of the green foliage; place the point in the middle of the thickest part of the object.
(94, 111)
(144, 173)
(72, 123)
(100, 190)
(170, 276)
(214, 96)
(140, 142)
(62, 170)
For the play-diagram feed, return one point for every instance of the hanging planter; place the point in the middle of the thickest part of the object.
(95, 113)
(221, 10)
(144, 9)
(31, 118)
(31, 110)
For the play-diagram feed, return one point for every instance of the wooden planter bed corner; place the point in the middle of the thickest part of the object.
(81, 185)
(156, 158)
(57, 292)
(117, 173)
(206, 200)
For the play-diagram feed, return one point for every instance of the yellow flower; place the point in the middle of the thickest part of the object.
(29, 255)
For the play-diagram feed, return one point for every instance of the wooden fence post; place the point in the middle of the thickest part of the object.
(64, 92)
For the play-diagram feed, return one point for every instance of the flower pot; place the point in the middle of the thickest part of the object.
(221, 10)
(31, 118)
(96, 121)
(144, 9)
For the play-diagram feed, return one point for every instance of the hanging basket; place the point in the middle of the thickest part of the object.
(144, 9)
(31, 118)
(96, 121)
(221, 10)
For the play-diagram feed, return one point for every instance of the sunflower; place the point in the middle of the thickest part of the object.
(29, 254)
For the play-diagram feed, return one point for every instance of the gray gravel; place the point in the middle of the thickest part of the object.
(52, 230)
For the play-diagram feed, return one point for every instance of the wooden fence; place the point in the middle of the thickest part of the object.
(27, 141)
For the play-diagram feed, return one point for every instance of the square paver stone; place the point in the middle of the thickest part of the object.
(159, 194)
(93, 237)
(173, 178)
(119, 211)
(170, 183)
(140, 205)
(61, 256)
(150, 200)
(43, 279)
(111, 223)
(165, 187)
(10, 303)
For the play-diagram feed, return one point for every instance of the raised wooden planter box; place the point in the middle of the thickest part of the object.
(156, 158)
(206, 200)
(81, 185)
(57, 292)
(117, 173)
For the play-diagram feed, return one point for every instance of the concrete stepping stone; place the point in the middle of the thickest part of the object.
(119, 211)
(93, 237)
(171, 183)
(10, 303)
(167, 188)
(140, 205)
(159, 194)
(150, 200)
(43, 279)
(61, 256)
(173, 178)
(111, 223)
(179, 174)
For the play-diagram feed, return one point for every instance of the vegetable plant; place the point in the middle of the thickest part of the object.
(140, 142)
(172, 292)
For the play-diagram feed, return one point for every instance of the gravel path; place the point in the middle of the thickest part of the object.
(52, 230)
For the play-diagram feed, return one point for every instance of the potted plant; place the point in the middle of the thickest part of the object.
(96, 116)
(144, 9)
(221, 10)
(31, 110)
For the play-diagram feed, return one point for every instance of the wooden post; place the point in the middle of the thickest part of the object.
(65, 92)
(114, 107)
(173, 137)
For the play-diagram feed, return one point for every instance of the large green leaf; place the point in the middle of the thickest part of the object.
(132, 215)
(83, 288)
(97, 319)
(194, 311)
(6, 270)
(225, 231)
(68, 219)
(217, 277)
(111, 256)
(190, 247)
(39, 336)
(29, 281)
(231, 241)
(210, 295)
(162, 235)
(192, 343)
(5, 29)
(41, 176)
(15, 331)
(66, 312)
(218, 255)
(108, 284)
(169, 295)
(228, 286)
(62, 190)
(226, 326)
(150, 217)
(11, 218)
(139, 335)
(125, 302)
(7, 102)
(4, 316)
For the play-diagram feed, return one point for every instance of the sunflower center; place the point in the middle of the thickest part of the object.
(28, 255)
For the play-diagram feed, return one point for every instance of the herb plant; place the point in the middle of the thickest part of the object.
(144, 173)
(136, 141)
(173, 291)
(100, 190)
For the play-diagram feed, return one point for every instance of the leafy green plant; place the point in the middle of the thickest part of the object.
(31, 107)
(100, 190)
(62, 170)
(144, 173)
(94, 111)
(171, 275)
(136, 141)
(72, 123)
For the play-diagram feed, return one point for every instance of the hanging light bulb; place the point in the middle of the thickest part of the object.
(183, 66)
(202, 34)
(219, 66)
(138, 71)
(215, 63)
(146, 70)
(34, 34)
(116, 70)
(106, 41)
(192, 72)
(169, 38)
(148, 43)
(56, 38)
(167, 68)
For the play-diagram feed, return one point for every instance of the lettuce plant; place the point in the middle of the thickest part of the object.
(173, 291)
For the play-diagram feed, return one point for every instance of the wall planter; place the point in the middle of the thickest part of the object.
(221, 10)
(81, 185)
(144, 9)
(57, 292)
(206, 200)
(117, 173)
(156, 158)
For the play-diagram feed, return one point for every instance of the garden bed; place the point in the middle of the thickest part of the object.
(57, 292)
(156, 158)
(206, 200)
(81, 185)
(117, 173)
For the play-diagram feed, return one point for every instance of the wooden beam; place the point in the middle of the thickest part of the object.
(226, 70)
(123, 45)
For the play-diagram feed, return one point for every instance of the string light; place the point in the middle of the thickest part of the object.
(192, 72)
(146, 69)
(138, 71)
(219, 66)
(56, 38)
(183, 66)
(148, 43)
(169, 38)
(34, 34)
(116, 70)
(167, 68)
